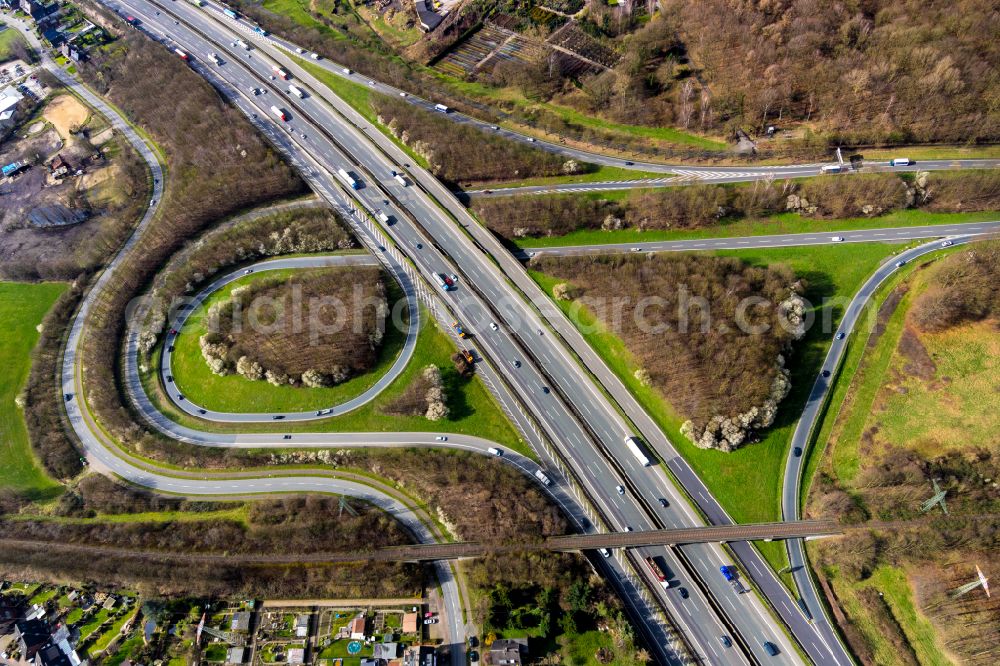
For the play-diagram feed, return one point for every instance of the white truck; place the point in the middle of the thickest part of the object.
(278, 111)
(346, 71)
(298, 92)
(540, 475)
(348, 179)
(383, 218)
(399, 179)
(632, 444)
(442, 108)
(243, 45)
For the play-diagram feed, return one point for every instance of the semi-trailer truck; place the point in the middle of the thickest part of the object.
(661, 578)
(297, 92)
(440, 281)
(348, 179)
(632, 444)
(278, 111)
(184, 56)
(230, 13)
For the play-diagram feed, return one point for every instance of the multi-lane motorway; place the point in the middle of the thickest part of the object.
(575, 413)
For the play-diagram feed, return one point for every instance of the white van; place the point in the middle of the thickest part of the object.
(900, 161)
(494, 452)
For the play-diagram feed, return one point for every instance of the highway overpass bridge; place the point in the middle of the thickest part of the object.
(470, 549)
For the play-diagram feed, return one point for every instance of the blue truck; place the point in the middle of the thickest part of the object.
(230, 13)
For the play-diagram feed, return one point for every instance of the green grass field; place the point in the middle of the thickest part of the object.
(891, 582)
(785, 223)
(8, 37)
(234, 393)
(22, 307)
(598, 175)
(747, 482)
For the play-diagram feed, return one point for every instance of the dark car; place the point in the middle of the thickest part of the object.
(840, 336)
(663, 502)
(180, 396)
(170, 349)
(826, 373)
(725, 641)
(68, 396)
(473, 655)
(170, 378)
(684, 592)
(202, 411)
(278, 417)
(797, 451)
(545, 389)
(287, 437)
(771, 648)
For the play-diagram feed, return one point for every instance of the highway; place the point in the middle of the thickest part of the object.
(591, 468)
(588, 428)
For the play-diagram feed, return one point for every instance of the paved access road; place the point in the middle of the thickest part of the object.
(831, 237)
(691, 175)
(184, 403)
(857, 313)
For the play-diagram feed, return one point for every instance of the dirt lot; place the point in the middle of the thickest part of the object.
(56, 227)
(65, 113)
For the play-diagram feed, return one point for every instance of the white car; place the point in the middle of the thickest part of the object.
(604, 551)
(620, 489)
(431, 620)
(947, 243)
(299, 49)
(402, 94)
(531, 139)
(441, 438)
(900, 264)
(837, 239)
(314, 56)
(371, 83)
(493, 325)
(494, 451)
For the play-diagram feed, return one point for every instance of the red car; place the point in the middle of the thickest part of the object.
(428, 614)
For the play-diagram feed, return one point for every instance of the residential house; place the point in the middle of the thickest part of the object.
(386, 651)
(51, 655)
(240, 622)
(297, 656)
(419, 655)
(410, 623)
(59, 167)
(30, 636)
(508, 651)
(38, 11)
(72, 51)
(11, 610)
(357, 628)
(236, 655)
(302, 626)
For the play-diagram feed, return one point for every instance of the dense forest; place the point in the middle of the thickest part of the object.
(707, 331)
